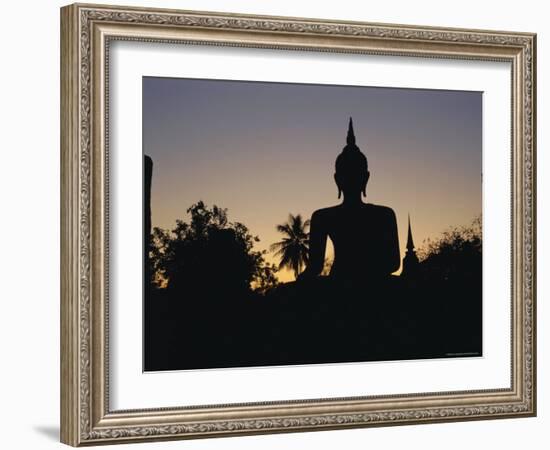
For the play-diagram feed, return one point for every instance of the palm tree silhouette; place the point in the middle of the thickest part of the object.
(294, 248)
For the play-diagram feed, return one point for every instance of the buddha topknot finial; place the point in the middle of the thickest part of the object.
(351, 135)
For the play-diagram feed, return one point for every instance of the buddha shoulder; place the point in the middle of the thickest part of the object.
(381, 211)
(325, 213)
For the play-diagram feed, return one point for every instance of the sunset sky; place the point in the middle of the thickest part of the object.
(264, 150)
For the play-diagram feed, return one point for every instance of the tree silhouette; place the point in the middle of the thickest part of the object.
(456, 255)
(293, 249)
(209, 254)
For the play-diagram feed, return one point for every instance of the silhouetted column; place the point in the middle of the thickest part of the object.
(147, 177)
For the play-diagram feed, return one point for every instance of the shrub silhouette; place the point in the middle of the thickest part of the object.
(209, 254)
(456, 256)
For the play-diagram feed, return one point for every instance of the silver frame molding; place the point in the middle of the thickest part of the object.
(86, 32)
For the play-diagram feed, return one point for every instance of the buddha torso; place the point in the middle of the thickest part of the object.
(364, 238)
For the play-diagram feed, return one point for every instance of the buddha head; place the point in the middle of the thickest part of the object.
(352, 170)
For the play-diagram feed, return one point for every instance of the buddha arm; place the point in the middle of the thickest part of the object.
(317, 246)
(393, 260)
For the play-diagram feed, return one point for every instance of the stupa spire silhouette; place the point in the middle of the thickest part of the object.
(410, 261)
(410, 243)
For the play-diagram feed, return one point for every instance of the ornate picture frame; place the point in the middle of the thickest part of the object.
(87, 31)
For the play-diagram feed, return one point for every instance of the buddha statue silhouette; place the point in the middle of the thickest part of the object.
(364, 236)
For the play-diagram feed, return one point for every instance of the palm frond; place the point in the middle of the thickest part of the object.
(293, 249)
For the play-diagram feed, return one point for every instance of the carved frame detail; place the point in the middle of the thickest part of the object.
(87, 31)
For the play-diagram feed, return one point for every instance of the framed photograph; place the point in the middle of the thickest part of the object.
(273, 224)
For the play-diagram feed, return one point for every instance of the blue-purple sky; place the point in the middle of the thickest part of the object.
(264, 150)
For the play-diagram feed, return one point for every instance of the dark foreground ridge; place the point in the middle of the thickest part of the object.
(313, 321)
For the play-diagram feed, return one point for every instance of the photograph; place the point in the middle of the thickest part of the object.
(291, 224)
